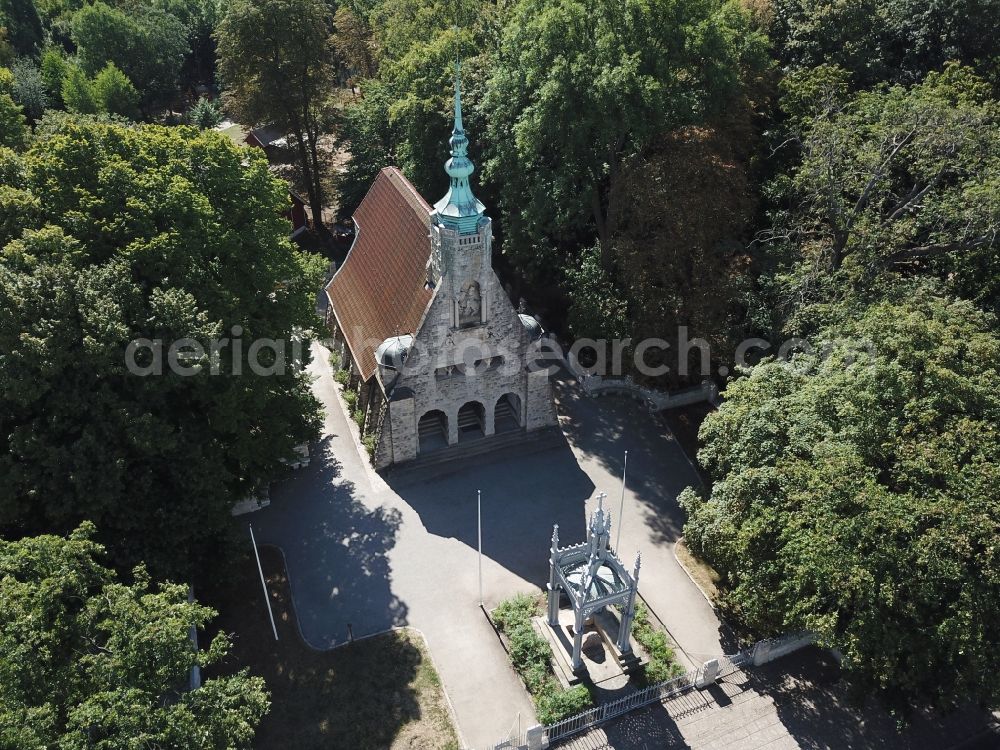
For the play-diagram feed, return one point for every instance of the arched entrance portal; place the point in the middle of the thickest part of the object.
(432, 431)
(471, 421)
(507, 414)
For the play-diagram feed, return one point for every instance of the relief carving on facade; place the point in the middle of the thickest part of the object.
(469, 304)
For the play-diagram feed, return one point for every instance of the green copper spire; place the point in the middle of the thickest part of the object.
(459, 210)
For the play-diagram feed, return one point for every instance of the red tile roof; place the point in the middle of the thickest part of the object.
(380, 290)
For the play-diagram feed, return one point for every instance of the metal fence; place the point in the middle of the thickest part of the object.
(652, 694)
(515, 738)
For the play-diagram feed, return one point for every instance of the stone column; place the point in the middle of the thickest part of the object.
(453, 427)
(624, 643)
(578, 641)
(553, 587)
(489, 418)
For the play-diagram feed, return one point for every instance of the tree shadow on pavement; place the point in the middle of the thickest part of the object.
(813, 703)
(336, 551)
(365, 696)
(524, 493)
(602, 429)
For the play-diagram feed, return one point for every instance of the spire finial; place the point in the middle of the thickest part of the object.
(458, 96)
(459, 210)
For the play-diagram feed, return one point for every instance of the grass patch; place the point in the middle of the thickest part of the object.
(662, 659)
(377, 693)
(530, 655)
(703, 574)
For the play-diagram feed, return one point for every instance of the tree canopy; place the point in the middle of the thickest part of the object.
(855, 496)
(893, 181)
(281, 78)
(581, 86)
(89, 661)
(147, 233)
(145, 42)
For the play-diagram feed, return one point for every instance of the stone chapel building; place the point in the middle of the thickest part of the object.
(439, 353)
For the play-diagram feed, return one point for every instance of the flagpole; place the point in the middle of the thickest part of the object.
(479, 526)
(267, 599)
(621, 507)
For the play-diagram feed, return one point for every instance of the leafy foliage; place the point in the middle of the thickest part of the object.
(29, 88)
(580, 87)
(160, 234)
(146, 43)
(855, 496)
(281, 78)
(896, 181)
(78, 92)
(530, 655)
(115, 93)
(662, 661)
(89, 661)
(13, 126)
(205, 114)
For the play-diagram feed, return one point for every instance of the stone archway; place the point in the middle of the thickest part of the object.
(471, 421)
(432, 431)
(507, 413)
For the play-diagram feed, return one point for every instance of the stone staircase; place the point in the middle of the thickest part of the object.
(505, 419)
(432, 432)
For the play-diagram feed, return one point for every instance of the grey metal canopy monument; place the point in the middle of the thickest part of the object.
(593, 578)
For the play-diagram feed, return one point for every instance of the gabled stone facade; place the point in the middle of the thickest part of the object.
(465, 372)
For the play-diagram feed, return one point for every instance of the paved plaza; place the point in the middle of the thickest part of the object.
(366, 554)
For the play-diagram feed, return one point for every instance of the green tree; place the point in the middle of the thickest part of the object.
(13, 126)
(115, 93)
(24, 27)
(582, 86)
(353, 43)
(29, 88)
(184, 240)
(899, 41)
(205, 114)
(893, 182)
(597, 309)
(281, 78)
(54, 68)
(854, 495)
(78, 92)
(145, 42)
(88, 661)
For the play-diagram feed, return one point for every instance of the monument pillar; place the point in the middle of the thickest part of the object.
(553, 586)
(578, 641)
(624, 643)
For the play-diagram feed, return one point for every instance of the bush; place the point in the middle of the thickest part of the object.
(527, 648)
(335, 361)
(358, 415)
(555, 704)
(371, 443)
(518, 610)
(351, 399)
(530, 654)
(662, 660)
(343, 377)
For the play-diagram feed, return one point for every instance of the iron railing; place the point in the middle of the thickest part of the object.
(652, 694)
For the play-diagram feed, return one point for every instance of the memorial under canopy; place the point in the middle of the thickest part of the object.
(593, 578)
